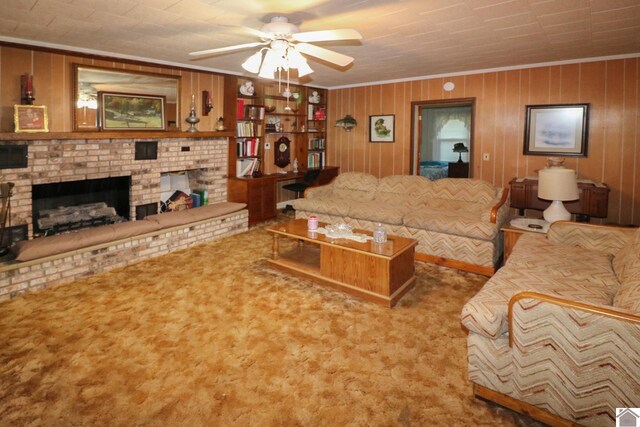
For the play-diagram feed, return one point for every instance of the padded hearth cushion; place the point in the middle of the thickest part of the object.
(467, 222)
(27, 250)
(536, 268)
(172, 219)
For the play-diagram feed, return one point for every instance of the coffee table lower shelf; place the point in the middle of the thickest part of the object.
(379, 279)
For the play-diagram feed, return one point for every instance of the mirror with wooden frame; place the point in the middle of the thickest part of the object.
(90, 82)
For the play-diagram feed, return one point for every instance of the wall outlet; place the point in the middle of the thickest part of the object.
(267, 146)
(485, 156)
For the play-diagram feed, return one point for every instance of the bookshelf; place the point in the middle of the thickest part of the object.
(315, 155)
(244, 114)
(262, 119)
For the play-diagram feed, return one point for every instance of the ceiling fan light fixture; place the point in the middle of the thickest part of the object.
(270, 64)
(252, 64)
(304, 69)
(298, 61)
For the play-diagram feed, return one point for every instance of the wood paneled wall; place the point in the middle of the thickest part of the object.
(53, 86)
(611, 87)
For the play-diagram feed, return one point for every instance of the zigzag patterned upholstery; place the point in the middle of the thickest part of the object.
(575, 340)
(450, 218)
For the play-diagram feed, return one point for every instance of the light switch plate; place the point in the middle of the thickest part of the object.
(267, 146)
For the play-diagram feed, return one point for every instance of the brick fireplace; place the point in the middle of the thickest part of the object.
(140, 161)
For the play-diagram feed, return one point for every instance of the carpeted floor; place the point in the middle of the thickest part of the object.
(212, 336)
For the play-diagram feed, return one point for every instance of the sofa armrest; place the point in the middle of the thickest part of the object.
(603, 238)
(318, 191)
(584, 353)
(500, 209)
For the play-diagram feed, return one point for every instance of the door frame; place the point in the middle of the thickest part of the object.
(416, 127)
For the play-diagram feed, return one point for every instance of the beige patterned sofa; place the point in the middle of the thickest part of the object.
(555, 333)
(455, 221)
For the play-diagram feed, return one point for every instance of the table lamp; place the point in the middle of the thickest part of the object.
(558, 185)
(460, 148)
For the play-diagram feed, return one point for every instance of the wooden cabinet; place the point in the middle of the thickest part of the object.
(594, 198)
(258, 193)
(458, 170)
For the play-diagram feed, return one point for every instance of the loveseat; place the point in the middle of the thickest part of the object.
(455, 221)
(555, 333)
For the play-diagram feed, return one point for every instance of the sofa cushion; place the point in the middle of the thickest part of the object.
(402, 190)
(585, 278)
(466, 222)
(465, 190)
(355, 186)
(627, 257)
(627, 266)
(377, 212)
(534, 252)
(326, 205)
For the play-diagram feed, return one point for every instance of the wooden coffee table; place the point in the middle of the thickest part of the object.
(377, 272)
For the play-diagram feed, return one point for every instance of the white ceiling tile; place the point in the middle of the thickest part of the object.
(425, 37)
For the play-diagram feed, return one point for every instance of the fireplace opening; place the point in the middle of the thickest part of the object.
(64, 206)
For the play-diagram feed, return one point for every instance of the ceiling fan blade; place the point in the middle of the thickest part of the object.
(227, 49)
(327, 35)
(250, 30)
(324, 54)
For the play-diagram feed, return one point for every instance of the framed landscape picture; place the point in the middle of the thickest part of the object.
(382, 128)
(126, 111)
(556, 130)
(30, 118)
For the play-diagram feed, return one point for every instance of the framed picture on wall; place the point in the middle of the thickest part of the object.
(126, 111)
(30, 118)
(382, 128)
(556, 130)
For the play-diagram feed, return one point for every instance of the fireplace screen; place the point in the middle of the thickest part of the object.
(65, 206)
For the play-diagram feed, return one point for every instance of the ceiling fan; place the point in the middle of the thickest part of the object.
(284, 36)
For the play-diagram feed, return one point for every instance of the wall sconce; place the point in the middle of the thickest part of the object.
(347, 123)
(26, 89)
(207, 104)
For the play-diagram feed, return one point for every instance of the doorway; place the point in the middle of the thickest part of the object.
(442, 138)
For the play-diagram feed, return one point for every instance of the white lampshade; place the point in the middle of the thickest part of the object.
(252, 64)
(270, 64)
(558, 185)
(296, 60)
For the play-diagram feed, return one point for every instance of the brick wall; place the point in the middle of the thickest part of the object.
(52, 161)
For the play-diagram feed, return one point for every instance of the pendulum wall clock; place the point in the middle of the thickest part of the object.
(283, 152)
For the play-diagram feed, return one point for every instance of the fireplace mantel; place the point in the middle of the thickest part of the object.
(42, 136)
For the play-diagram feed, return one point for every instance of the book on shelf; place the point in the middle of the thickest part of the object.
(248, 147)
(316, 160)
(247, 129)
(254, 112)
(240, 109)
(316, 144)
(246, 167)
